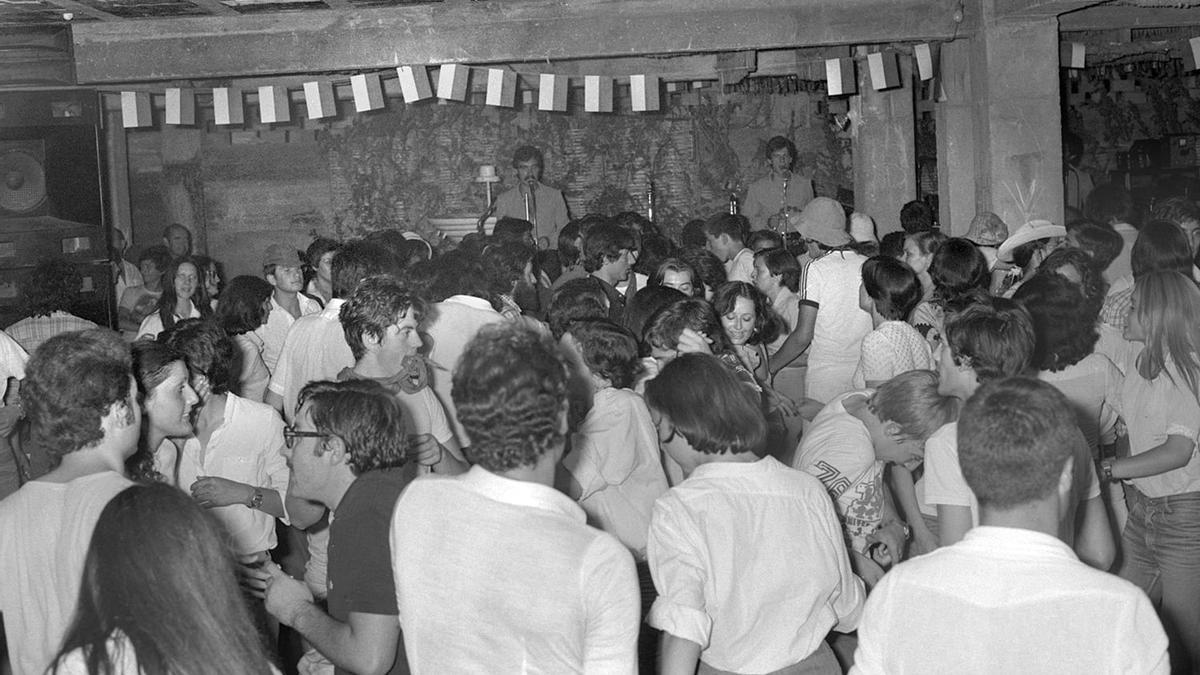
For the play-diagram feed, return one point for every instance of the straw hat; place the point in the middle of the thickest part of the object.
(987, 230)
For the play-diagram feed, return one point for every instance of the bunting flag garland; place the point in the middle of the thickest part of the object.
(643, 90)
(181, 107)
(925, 64)
(318, 98)
(368, 92)
(839, 77)
(274, 105)
(452, 82)
(1191, 55)
(885, 70)
(227, 106)
(597, 93)
(552, 92)
(548, 91)
(414, 83)
(1072, 54)
(135, 109)
(501, 88)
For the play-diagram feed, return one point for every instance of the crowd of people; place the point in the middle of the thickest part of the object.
(733, 451)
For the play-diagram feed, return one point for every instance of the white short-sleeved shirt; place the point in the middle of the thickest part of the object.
(831, 283)
(315, 349)
(1087, 385)
(837, 449)
(279, 321)
(1153, 410)
(945, 485)
(893, 348)
(727, 547)
(450, 326)
(615, 459)
(46, 529)
(514, 563)
(247, 448)
(1007, 600)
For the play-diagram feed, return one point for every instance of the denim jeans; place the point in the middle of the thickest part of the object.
(1161, 554)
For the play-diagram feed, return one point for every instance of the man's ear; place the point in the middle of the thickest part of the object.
(894, 431)
(335, 451)
(118, 416)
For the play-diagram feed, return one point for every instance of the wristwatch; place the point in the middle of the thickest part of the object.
(1106, 469)
(255, 500)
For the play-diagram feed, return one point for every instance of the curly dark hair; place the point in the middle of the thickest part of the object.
(376, 304)
(458, 272)
(71, 382)
(609, 350)
(1063, 323)
(1091, 278)
(510, 389)
(365, 415)
(207, 350)
(52, 285)
(994, 336)
(576, 299)
(766, 322)
(241, 307)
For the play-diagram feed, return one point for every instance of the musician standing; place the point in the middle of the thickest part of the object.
(533, 200)
(772, 198)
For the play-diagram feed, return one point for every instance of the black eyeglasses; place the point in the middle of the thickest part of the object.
(290, 434)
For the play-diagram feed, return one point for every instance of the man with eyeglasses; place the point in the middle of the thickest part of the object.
(348, 450)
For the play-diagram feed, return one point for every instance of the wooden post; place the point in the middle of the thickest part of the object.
(885, 174)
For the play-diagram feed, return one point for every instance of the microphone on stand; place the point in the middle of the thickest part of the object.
(528, 191)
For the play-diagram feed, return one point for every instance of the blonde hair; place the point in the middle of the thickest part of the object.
(911, 400)
(1166, 305)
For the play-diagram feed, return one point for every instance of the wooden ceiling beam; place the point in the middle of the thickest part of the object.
(85, 10)
(215, 7)
(511, 31)
(1108, 17)
(1033, 9)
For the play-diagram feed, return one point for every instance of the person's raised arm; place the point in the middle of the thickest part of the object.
(798, 340)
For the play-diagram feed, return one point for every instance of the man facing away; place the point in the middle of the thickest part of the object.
(348, 451)
(533, 200)
(1011, 597)
(80, 399)
(495, 570)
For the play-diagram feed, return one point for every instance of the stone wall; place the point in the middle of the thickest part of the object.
(241, 190)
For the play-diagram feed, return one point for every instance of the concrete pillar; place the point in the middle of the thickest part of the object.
(1017, 122)
(883, 136)
(955, 122)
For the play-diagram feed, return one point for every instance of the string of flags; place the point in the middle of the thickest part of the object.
(450, 83)
(1073, 55)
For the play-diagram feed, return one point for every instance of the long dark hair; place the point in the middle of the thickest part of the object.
(159, 570)
(168, 299)
(151, 366)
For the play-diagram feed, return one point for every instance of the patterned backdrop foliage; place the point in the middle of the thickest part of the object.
(400, 168)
